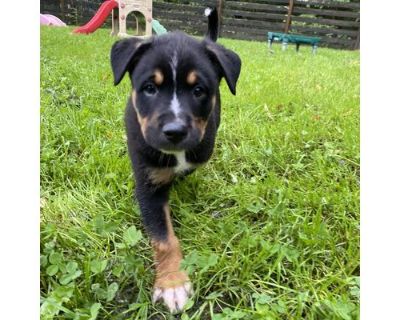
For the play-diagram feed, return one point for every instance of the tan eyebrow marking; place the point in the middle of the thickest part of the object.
(158, 77)
(191, 77)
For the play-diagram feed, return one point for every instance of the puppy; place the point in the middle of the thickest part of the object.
(171, 118)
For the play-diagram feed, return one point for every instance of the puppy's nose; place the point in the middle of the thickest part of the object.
(175, 131)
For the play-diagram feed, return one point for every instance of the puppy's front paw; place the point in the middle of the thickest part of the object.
(174, 290)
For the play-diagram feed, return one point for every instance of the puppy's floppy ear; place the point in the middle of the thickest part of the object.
(227, 61)
(125, 54)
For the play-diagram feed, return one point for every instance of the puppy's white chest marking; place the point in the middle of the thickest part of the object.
(182, 165)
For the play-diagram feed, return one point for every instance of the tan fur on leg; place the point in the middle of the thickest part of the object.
(171, 284)
(168, 258)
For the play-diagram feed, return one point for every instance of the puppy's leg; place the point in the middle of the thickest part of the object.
(171, 285)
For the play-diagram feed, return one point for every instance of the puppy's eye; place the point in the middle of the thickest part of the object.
(198, 91)
(149, 89)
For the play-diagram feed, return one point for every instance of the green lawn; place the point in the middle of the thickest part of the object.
(269, 227)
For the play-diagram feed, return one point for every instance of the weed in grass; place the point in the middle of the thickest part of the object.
(269, 227)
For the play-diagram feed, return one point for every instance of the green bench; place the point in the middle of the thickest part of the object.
(286, 38)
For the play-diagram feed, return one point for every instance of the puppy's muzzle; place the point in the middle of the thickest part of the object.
(175, 131)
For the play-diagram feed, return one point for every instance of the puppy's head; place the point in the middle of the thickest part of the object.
(175, 81)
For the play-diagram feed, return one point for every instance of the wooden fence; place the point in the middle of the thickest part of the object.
(337, 23)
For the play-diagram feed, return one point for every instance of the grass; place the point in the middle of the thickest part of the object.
(269, 227)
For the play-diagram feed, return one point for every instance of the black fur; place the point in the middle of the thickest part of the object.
(139, 58)
(213, 23)
(125, 55)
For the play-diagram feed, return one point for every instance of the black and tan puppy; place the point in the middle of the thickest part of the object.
(172, 117)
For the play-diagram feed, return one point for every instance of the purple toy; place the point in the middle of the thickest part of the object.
(50, 20)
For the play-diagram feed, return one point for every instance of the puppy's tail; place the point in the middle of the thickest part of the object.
(212, 31)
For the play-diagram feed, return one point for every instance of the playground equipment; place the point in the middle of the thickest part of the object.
(158, 27)
(118, 24)
(292, 38)
(99, 18)
(50, 20)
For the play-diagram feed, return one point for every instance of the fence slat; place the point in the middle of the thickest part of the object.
(330, 22)
(258, 7)
(254, 24)
(272, 27)
(177, 7)
(254, 15)
(323, 31)
(329, 4)
(327, 13)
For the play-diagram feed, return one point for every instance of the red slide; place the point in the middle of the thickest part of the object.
(99, 18)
